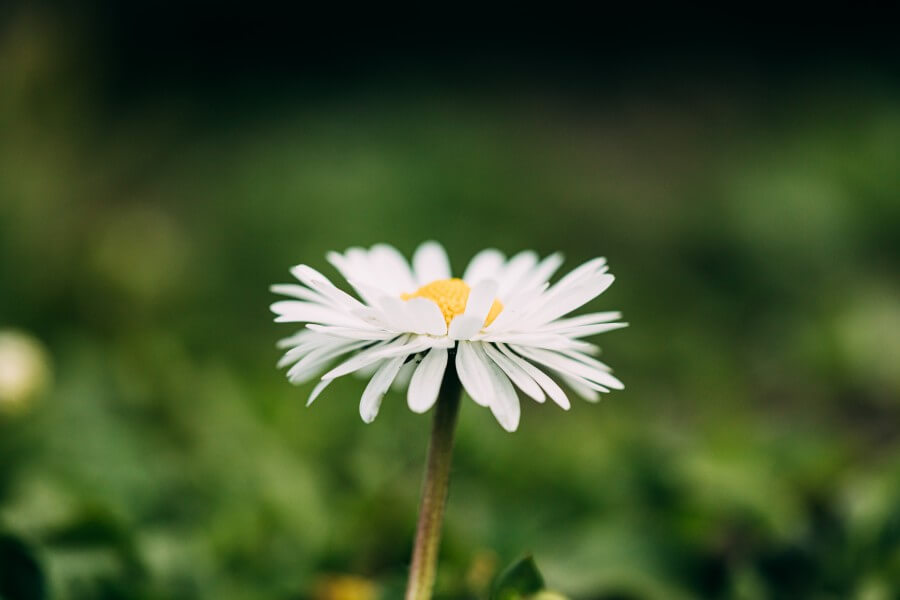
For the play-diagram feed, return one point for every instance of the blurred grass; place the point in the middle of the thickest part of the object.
(754, 453)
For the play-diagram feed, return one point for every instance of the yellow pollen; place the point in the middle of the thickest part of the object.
(451, 296)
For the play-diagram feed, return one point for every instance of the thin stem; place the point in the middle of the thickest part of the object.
(434, 490)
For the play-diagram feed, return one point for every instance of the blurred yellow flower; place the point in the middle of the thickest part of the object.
(547, 595)
(344, 587)
(481, 572)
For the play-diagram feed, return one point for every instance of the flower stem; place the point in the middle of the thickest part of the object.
(434, 490)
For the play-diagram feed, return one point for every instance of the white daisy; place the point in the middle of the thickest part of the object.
(502, 323)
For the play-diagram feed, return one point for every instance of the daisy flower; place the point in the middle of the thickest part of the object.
(502, 323)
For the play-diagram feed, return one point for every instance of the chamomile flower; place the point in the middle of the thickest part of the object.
(502, 323)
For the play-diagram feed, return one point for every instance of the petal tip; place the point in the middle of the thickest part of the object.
(510, 427)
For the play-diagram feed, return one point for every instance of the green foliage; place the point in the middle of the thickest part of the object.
(21, 576)
(752, 228)
(518, 581)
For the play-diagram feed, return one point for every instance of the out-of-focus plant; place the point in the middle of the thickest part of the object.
(522, 581)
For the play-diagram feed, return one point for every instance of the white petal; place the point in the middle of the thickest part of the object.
(592, 266)
(394, 311)
(588, 360)
(298, 352)
(404, 375)
(295, 339)
(378, 386)
(315, 343)
(323, 286)
(487, 264)
(464, 327)
(564, 303)
(544, 271)
(580, 320)
(503, 401)
(297, 291)
(581, 388)
(516, 307)
(354, 333)
(516, 374)
(392, 270)
(367, 371)
(567, 366)
(305, 338)
(553, 390)
(369, 292)
(320, 387)
(539, 340)
(580, 276)
(290, 357)
(473, 374)
(425, 317)
(430, 263)
(357, 272)
(316, 360)
(505, 406)
(360, 262)
(349, 264)
(481, 297)
(516, 269)
(608, 380)
(373, 316)
(365, 357)
(296, 311)
(417, 344)
(589, 330)
(426, 381)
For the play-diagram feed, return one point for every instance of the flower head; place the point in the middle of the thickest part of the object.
(502, 323)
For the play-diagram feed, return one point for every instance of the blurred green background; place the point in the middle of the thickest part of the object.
(156, 178)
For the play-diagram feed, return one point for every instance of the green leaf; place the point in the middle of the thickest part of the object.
(21, 577)
(519, 580)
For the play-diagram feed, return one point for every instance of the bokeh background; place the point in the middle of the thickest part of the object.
(159, 168)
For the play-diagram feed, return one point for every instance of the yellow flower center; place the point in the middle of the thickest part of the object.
(451, 296)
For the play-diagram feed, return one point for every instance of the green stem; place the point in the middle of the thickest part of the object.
(434, 490)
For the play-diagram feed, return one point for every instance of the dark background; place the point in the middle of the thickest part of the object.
(160, 166)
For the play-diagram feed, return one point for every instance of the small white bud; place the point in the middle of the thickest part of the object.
(24, 370)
